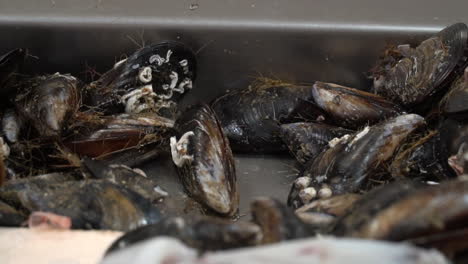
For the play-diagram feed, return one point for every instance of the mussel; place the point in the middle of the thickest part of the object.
(91, 204)
(433, 216)
(48, 102)
(251, 117)
(351, 159)
(454, 103)
(352, 108)
(307, 140)
(425, 157)
(426, 69)
(203, 234)
(97, 136)
(151, 79)
(204, 160)
(278, 222)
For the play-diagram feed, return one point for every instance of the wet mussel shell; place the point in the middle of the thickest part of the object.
(307, 140)
(49, 102)
(279, 222)
(91, 204)
(351, 160)
(353, 108)
(156, 76)
(204, 160)
(455, 102)
(427, 68)
(433, 216)
(251, 117)
(425, 157)
(203, 233)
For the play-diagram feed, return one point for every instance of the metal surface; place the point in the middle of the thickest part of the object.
(300, 41)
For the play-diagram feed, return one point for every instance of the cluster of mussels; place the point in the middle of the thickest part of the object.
(376, 165)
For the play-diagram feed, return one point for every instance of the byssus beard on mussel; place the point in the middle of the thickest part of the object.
(204, 160)
(10, 64)
(116, 201)
(455, 102)
(202, 233)
(278, 222)
(251, 117)
(350, 107)
(98, 136)
(425, 157)
(351, 159)
(153, 78)
(307, 140)
(431, 216)
(424, 70)
(45, 102)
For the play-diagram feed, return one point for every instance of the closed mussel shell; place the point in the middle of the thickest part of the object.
(251, 117)
(204, 160)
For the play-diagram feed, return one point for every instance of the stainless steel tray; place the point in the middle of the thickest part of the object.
(235, 40)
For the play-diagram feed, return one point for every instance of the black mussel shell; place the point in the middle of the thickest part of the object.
(100, 136)
(434, 216)
(154, 77)
(278, 222)
(371, 204)
(203, 234)
(427, 68)
(251, 117)
(335, 205)
(307, 140)
(10, 63)
(204, 160)
(133, 179)
(344, 167)
(49, 102)
(91, 204)
(426, 158)
(9, 216)
(352, 108)
(455, 102)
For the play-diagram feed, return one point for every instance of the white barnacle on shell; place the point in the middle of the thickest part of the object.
(307, 194)
(325, 192)
(302, 182)
(179, 149)
(145, 75)
(133, 102)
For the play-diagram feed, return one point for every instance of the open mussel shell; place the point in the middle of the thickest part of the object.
(156, 76)
(350, 107)
(344, 167)
(251, 117)
(203, 233)
(420, 215)
(455, 102)
(307, 140)
(427, 68)
(425, 157)
(49, 102)
(204, 160)
(279, 222)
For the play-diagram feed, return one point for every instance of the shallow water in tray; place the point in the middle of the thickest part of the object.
(260, 175)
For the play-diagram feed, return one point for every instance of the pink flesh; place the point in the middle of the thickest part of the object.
(45, 220)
